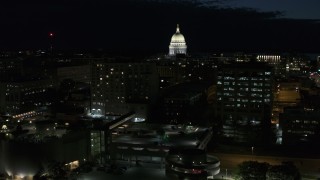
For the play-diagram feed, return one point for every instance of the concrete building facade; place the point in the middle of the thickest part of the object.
(121, 87)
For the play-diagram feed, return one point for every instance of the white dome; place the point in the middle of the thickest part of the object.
(178, 38)
(177, 44)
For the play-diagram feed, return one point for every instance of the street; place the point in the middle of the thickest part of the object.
(307, 167)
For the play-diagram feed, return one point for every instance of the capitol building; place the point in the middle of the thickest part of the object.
(177, 44)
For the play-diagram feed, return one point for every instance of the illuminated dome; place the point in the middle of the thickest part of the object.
(178, 37)
(177, 44)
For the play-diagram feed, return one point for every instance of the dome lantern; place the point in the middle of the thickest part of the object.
(178, 29)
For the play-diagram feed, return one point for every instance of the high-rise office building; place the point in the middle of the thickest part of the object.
(244, 100)
(180, 103)
(120, 87)
(300, 125)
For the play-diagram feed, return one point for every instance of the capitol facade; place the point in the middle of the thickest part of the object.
(177, 44)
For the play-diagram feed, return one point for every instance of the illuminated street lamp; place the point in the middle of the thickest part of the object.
(226, 173)
(51, 36)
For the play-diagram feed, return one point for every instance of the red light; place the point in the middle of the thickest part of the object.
(196, 171)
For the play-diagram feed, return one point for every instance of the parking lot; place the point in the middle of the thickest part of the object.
(132, 173)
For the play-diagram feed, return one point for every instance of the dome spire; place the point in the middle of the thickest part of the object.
(178, 29)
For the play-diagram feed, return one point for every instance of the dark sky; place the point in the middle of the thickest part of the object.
(141, 25)
(299, 9)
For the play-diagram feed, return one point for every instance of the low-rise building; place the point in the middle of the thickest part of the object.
(20, 99)
(38, 144)
(300, 125)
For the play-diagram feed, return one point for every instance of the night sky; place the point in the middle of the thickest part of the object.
(147, 26)
(297, 9)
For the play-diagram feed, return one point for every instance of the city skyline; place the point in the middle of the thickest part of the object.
(159, 89)
(122, 115)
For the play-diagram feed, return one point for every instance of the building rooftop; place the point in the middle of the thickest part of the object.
(160, 135)
(249, 65)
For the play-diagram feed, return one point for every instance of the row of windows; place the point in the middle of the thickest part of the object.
(244, 74)
(244, 79)
(242, 94)
(119, 67)
(300, 132)
(244, 89)
(259, 84)
(98, 103)
(305, 122)
(242, 106)
(247, 100)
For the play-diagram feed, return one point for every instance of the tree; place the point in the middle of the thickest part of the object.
(248, 170)
(161, 132)
(56, 170)
(41, 174)
(287, 170)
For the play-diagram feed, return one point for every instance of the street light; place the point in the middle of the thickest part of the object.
(51, 38)
(252, 150)
(226, 173)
